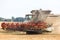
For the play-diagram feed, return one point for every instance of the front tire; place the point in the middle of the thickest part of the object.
(33, 32)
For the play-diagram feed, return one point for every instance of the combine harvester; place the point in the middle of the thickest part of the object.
(34, 23)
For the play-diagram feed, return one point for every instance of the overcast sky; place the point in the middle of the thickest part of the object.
(18, 8)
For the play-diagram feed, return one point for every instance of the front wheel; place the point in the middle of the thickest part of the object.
(34, 32)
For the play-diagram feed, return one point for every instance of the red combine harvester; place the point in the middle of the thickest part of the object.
(34, 23)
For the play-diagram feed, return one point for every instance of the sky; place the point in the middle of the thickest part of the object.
(19, 8)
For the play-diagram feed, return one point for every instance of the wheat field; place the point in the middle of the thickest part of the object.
(54, 35)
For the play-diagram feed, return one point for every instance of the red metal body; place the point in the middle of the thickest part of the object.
(22, 26)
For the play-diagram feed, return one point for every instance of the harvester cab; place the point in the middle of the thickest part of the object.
(28, 17)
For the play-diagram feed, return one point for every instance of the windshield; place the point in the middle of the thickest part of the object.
(28, 17)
